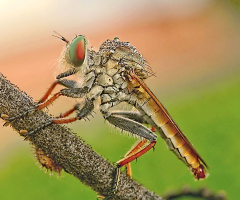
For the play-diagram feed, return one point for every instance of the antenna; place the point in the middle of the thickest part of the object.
(60, 37)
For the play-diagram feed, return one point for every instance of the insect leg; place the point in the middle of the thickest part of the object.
(69, 112)
(136, 128)
(69, 92)
(49, 91)
(131, 126)
(72, 91)
(83, 110)
(64, 82)
(67, 73)
(138, 117)
(132, 151)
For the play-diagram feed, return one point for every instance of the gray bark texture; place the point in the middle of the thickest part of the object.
(66, 148)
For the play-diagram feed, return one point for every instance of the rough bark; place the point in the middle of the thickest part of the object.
(66, 148)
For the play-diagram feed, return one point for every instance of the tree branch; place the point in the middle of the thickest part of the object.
(66, 148)
(202, 193)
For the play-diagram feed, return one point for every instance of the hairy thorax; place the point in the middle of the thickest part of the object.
(109, 71)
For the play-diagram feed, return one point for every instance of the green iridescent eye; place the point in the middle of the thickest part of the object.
(77, 50)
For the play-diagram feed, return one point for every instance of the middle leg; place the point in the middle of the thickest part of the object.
(139, 145)
(135, 128)
(122, 121)
(137, 118)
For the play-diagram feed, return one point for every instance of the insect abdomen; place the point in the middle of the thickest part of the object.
(158, 117)
(175, 139)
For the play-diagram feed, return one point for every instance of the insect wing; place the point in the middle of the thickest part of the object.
(165, 114)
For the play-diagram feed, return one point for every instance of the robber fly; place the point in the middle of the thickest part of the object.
(116, 74)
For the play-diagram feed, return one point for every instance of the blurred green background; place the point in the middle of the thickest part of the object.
(193, 46)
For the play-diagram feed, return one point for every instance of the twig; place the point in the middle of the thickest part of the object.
(199, 194)
(66, 148)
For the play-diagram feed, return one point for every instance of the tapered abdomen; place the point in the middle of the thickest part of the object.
(159, 118)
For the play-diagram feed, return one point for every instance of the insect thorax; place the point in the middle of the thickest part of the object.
(110, 68)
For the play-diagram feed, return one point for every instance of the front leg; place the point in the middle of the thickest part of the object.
(72, 90)
(69, 92)
(66, 83)
(82, 110)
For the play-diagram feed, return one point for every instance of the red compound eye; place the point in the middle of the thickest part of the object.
(77, 51)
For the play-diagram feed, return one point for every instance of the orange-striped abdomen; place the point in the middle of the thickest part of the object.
(176, 140)
(159, 118)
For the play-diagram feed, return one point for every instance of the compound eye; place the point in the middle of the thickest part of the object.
(77, 50)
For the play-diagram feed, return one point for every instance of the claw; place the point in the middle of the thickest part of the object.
(6, 124)
(4, 116)
(153, 148)
(100, 197)
(23, 132)
(26, 139)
